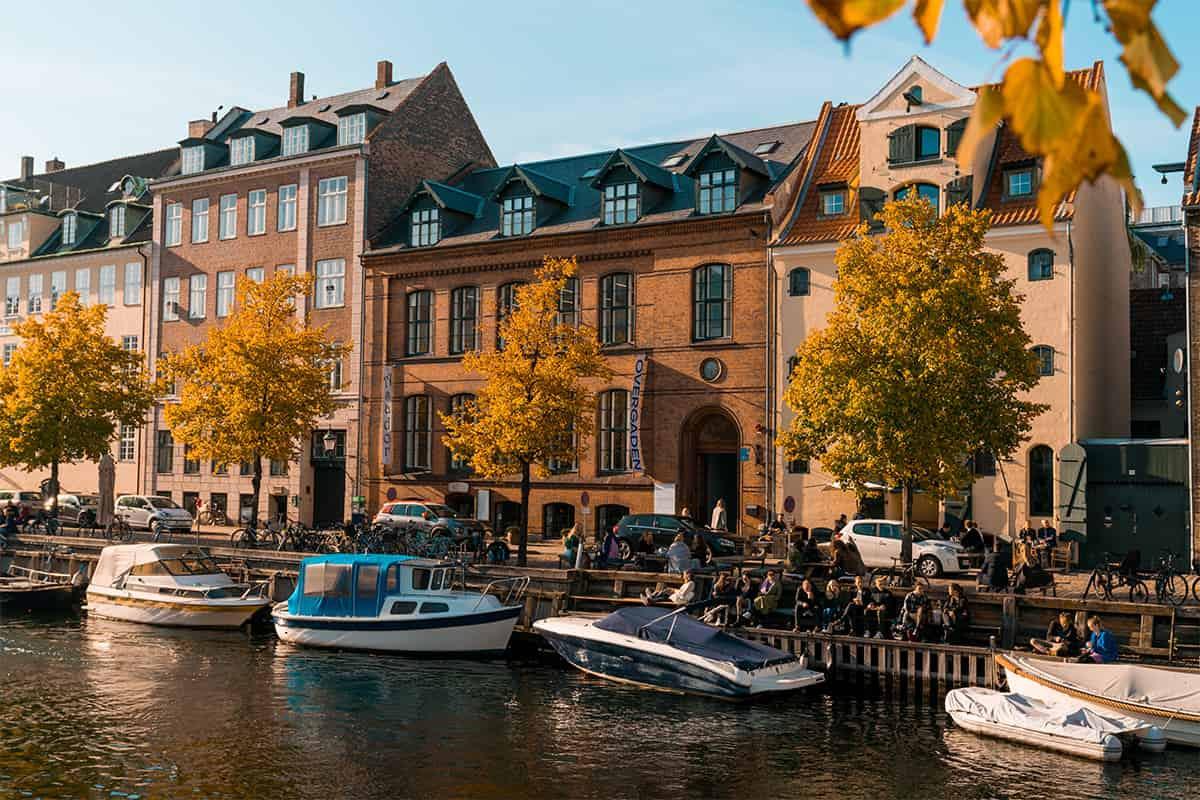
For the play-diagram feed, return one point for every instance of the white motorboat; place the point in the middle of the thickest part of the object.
(673, 652)
(169, 584)
(1167, 698)
(1064, 726)
(399, 604)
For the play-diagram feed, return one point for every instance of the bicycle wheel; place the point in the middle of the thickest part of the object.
(1196, 590)
(1138, 593)
(1171, 589)
(238, 538)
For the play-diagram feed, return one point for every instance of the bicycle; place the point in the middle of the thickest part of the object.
(1170, 586)
(901, 575)
(252, 537)
(118, 529)
(41, 526)
(212, 516)
(1111, 574)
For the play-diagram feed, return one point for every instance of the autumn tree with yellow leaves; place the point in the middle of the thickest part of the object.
(258, 384)
(924, 360)
(66, 389)
(1054, 117)
(534, 406)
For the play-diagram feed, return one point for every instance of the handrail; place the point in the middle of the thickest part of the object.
(61, 577)
(660, 619)
(515, 592)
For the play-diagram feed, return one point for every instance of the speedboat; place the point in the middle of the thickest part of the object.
(673, 652)
(396, 603)
(169, 584)
(1167, 698)
(29, 589)
(1066, 726)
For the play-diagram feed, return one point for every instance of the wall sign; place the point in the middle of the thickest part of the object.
(388, 381)
(636, 385)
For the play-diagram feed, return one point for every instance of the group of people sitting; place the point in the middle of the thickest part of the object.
(873, 612)
(734, 598)
(1063, 640)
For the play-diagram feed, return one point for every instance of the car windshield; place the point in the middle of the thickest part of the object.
(162, 502)
(920, 534)
(442, 512)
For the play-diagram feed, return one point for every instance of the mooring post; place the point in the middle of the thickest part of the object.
(1008, 621)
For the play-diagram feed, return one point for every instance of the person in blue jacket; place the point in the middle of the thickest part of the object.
(1102, 646)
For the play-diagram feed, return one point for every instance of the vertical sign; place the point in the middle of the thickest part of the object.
(387, 417)
(636, 388)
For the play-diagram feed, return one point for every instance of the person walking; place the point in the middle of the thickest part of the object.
(718, 521)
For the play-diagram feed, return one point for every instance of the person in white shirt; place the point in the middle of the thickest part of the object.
(682, 596)
(718, 522)
(679, 556)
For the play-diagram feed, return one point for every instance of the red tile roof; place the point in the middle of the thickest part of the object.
(1191, 193)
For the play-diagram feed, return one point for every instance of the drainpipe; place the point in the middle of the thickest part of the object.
(1071, 331)
(769, 373)
(1187, 310)
(143, 474)
(362, 349)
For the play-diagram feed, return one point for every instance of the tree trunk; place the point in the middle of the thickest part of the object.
(255, 487)
(523, 544)
(52, 500)
(906, 521)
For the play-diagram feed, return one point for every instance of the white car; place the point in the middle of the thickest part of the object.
(878, 542)
(150, 512)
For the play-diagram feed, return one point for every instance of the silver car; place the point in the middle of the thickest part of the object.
(151, 512)
(431, 518)
(80, 510)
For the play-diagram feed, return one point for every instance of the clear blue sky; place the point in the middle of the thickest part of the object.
(91, 81)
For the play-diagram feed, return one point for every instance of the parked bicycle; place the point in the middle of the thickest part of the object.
(900, 575)
(1170, 585)
(118, 530)
(1113, 574)
(254, 537)
(212, 516)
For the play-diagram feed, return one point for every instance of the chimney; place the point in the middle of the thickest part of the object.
(26, 167)
(55, 165)
(199, 127)
(296, 90)
(383, 74)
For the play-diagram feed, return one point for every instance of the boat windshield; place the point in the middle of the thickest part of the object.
(190, 564)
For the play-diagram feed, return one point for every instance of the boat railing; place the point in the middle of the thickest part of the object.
(39, 574)
(674, 615)
(256, 589)
(513, 589)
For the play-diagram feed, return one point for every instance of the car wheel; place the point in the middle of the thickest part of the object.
(624, 550)
(929, 567)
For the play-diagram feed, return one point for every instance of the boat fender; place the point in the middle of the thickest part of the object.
(1152, 740)
(803, 661)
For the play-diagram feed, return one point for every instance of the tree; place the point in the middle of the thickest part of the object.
(1053, 116)
(924, 360)
(533, 406)
(67, 389)
(258, 384)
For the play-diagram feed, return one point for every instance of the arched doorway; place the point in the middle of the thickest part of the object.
(709, 466)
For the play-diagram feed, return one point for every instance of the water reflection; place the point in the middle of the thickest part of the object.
(94, 707)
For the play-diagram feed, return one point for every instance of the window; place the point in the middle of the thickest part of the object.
(1041, 265)
(1041, 481)
(833, 203)
(197, 296)
(464, 319)
(718, 191)
(568, 304)
(193, 160)
(352, 128)
(911, 143)
(331, 283)
(35, 294)
(12, 296)
(1018, 183)
(458, 404)
(418, 323)
(16, 234)
(434, 608)
(418, 432)
(295, 140)
(71, 223)
(127, 445)
(83, 285)
(403, 607)
(200, 219)
(108, 284)
(116, 221)
(620, 203)
(614, 430)
(133, 284)
(245, 468)
(225, 284)
(426, 228)
(227, 221)
(616, 321)
(506, 303)
(256, 212)
(241, 151)
(1045, 359)
(58, 286)
(982, 464)
(255, 274)
(929, 143)
(9, 349)
(799, 282)
(367, 583)
(219, 469)
(278, 468)
(287, 207)
(559, 466)
(191, 466)
(797, 466)
(516, 218)
(331, 201)
(164, 453)
(335, 374)
(926, 191)
(711, 292)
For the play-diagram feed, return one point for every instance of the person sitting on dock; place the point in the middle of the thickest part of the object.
(955, 616)
(724, 595)
(831, 605)
(812, 551)
(610, 549)
(807, 615)
(745, 594)
(795, 556)
(10, 519)
(971, 538)
(914, 614)
(854, 616)
(769, 592)
(570, 547)
(701, 554)
(1062, 637)
(1102, 646)
(846, 560)
(881, 609)
(679, 555)
(682, 596)
(1047, 540)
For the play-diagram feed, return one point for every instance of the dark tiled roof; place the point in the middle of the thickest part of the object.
(1166, 245)
(86, 187)
(1191, 175)
(269, 119)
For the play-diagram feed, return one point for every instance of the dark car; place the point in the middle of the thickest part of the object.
(664, 528)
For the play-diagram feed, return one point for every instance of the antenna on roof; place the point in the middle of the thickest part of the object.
(214, 114)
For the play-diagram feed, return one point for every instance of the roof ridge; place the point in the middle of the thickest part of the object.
(162, 150)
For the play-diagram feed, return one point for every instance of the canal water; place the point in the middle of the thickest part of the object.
(92, 708)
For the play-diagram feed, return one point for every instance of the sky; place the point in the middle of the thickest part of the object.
(544, 79)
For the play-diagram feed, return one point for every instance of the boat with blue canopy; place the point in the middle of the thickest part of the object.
(401, 604)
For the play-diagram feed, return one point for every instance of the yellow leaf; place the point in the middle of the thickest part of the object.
(997, 20)
(988, 110)
(845, 17)
(928, 14)
(1041, 113)
(1151, 66)
(1050, 40)
(1088, 151)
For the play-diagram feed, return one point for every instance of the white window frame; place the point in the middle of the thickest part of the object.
(16, 234)
(336, 384)
(227, 217)
(129, 343)
(170, 299)
(331, 283)
(173, 232)
(131, 291)
(7, 353)
(127, 446)
(286, 217)
(225, 291)
(256, 212)
(108, 285)
(256, 274)
(295, 140)
(192, 160)
(331, 200)
(200, 208)
(352, 128)
(426, 227)
(241, 151)
(198, 296)
(70, 228)
(12, 296)
(116, 221)
(36, 283)
(58, 287)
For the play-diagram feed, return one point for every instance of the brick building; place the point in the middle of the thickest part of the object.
(1191, 222)
(671, 241)
(299, 188)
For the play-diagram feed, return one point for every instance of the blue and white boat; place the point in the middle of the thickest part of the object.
(399, 604)
(672, 652)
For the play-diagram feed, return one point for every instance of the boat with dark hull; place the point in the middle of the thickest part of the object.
(672, 652)
(24, 589)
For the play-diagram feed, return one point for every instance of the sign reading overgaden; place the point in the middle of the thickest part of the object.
(387, 417)
(636, 387)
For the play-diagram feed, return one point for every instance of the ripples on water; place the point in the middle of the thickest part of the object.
(94, 708)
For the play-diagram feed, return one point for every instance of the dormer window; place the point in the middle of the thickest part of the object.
(1018, 183)
(516, 217)
(241, 150)
(718, 191)
(352, 128)
(295, 140)
(116, 222)
(426, 228)
(620, 203)
(833, 203)
(193, 160)
(69, 228)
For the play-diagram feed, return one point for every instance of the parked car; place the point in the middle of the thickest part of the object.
(80, 510)
(149, 512)
(664, 528)
(878, 542)
(21, 499)
(431, 518)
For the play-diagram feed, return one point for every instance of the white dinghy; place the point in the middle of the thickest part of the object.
(1064, 726)
(1168, 698)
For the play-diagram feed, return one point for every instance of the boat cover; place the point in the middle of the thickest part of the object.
(692, 636)
(1067, 719)
(117, 559)
(1169, 689)
(344, 588)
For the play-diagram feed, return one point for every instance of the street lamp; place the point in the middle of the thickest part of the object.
(329, 441)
